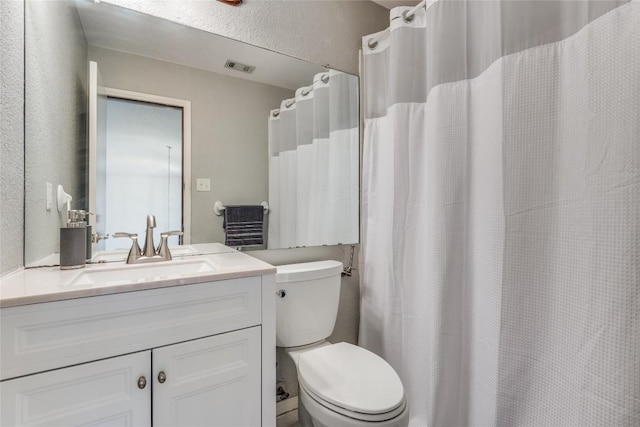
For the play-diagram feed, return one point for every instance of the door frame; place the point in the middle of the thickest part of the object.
(186, 145)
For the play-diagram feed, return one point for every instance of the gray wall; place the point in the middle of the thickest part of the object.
(56, 70)
(229, 129)
(11, 135)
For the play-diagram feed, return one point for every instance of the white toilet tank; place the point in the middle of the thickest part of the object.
(307, 302)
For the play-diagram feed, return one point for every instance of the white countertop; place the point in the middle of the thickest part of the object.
(46, 284)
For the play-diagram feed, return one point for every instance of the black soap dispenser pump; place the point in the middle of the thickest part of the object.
(73, 241)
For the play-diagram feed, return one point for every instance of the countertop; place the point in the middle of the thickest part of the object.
(46, 284)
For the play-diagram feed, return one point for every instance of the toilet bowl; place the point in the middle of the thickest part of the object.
(341, 385)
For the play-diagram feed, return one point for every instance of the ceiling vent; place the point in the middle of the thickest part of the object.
(234, 65)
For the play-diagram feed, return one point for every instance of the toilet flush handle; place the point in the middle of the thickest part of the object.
(281, 293)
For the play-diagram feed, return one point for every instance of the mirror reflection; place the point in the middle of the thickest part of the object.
(168, 120)
(313, 174)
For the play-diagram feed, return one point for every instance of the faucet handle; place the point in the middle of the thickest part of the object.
(163, 249)
(171, 233)
(123, 234)
(134, 253)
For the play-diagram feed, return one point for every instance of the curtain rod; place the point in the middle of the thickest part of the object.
(407, 16)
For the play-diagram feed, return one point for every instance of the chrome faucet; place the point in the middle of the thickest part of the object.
(150, 254)
(149, 247)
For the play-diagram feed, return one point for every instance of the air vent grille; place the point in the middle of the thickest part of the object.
(235, 65)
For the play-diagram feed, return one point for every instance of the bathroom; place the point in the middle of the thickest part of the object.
(499, 281)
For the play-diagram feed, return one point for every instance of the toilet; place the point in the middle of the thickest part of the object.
(341, 385)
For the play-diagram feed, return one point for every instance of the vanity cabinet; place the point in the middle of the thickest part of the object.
(213, 381)
(196, 354)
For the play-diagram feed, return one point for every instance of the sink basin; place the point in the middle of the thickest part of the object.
(132, 273)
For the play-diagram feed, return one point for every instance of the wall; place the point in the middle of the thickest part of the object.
(229, 134)
(11, 135)
(56, 71)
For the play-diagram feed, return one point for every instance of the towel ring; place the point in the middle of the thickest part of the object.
(218, 207)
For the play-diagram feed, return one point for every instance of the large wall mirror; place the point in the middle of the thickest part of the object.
(136, 115)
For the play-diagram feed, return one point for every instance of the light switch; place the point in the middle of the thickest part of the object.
(203, 184)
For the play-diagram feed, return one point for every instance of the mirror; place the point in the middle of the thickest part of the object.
(284, 133)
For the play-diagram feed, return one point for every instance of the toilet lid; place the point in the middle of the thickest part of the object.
(352, 378)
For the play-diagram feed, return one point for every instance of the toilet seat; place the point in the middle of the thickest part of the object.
(351, 381)
(351, 414)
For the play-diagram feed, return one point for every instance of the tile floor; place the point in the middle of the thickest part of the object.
(288, 419)
(287, 413)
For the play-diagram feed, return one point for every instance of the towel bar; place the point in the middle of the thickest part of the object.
(218, 207)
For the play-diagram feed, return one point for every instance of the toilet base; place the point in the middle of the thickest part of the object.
(312, 414)
(304, 418)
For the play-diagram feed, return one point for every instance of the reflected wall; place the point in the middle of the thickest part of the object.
(229, 140)
(56, 68)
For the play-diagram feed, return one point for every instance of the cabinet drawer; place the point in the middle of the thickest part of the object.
(51, 335)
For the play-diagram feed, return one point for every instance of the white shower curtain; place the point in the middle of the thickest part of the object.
(313, 174)
(501, 199)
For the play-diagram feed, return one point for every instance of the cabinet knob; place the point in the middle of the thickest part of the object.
(162, 377)
(142, 382)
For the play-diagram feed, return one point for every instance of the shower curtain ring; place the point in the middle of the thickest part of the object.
(406, 17)
(372, 43)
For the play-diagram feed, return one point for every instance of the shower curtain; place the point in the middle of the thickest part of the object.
(500, 273)
(313, 166)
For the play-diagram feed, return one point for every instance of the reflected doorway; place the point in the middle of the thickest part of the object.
(139, 164)
(144, 152)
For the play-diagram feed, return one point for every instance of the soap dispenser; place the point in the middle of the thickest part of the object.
(73, 241)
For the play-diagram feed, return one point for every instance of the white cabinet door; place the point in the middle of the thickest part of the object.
(102, 393)
(213, 381)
